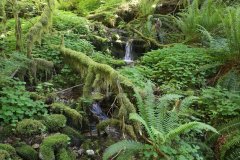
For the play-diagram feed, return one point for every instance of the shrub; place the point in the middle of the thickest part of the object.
(194, 19)
(15, 104)
(54, 122)
(63, 20)
(51, 144)
(180, 66)
(29, 127)
(27, 152)
(219, 104)
(231, 28)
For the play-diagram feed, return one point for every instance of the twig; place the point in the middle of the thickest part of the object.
(69, 88)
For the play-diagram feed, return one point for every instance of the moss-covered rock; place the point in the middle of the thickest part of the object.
(65, 154)
(76, 137)
(54, 122)
(51, 144)
(73, 116)
(4, 155)
(27, 152)
(29, 127)
(5, 131)
(6, 151)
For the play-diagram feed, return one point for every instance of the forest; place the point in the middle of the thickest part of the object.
(119, 80)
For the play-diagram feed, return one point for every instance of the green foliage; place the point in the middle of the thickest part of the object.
(75, 135)
(135, 75)
(219, 104)
(27, 152)
(9, 65)
(227, 142)
(63, 20)
(161, 122)
(29, 127)
(180, 66)
(194, 19)
(51, 145)
(15, 104)
(54, 122)
(231, 26)
(146, 7)
(230, 81)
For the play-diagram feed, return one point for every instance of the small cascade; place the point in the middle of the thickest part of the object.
(97, 111)
(128, 52)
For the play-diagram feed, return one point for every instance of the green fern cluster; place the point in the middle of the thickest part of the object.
(227, 143)
(194, 19)
(161, 122)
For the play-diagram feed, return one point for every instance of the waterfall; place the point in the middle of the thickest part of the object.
(97, 111)
(128, 52)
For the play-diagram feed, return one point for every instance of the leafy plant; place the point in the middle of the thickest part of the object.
(180, 66)
(15, 104)
(162, 125)
(219, 104)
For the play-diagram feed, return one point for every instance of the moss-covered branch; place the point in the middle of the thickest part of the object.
(41, 26)
(106, 78)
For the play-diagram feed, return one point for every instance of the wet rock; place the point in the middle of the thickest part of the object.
(90, 152)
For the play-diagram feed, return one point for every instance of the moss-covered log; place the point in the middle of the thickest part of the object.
(107, 80)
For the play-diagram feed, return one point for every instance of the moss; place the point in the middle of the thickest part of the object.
(76, 136)
(27, 152)
(105, 78)
(42, 25)
(5, 132)
(72, 115)
(10, 150)
(4, 155)
(65, 154)
(51, 144)
(29, 127)
(54, 122)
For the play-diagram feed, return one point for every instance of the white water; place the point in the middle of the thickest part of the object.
(128, 52)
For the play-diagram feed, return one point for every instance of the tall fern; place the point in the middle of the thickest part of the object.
(159, 117)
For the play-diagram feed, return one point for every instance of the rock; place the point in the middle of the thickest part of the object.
(80, 151)
(90, 152)
(35, 146)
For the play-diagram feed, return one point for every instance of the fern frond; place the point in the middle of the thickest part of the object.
(137, 117)
(187, 102)
(130, 147)
(187, 127)
(232, 141)
(234, 155)
(225, 128)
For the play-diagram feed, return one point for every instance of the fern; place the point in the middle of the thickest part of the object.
(127, 146)
(231, 142)
(234, 155)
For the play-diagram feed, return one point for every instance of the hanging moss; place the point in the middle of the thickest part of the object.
(51, 144)
(104, 78)
(73, 116)
(35, 33)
